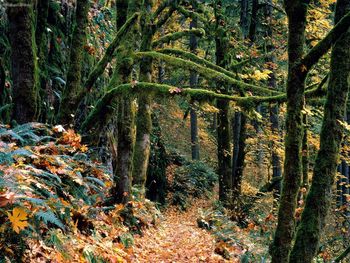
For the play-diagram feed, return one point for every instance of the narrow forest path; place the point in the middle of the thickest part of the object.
(177, 239)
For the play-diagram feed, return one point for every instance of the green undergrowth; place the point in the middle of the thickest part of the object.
(193, 179)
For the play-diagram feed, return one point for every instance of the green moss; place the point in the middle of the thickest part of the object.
(205, 72)
(108, 56)
(177, 35)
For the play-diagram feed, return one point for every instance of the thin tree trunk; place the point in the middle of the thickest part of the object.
(70, 96)
(273, 109)
(23, 60)
(244, 23)
(276, 159)
(239, 157)
(121, 11)
(253, 20)
(319, 198)
(193, 84)
(305, 157)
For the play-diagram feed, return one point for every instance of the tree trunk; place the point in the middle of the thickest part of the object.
(126, 116)
(276, 159)
(23, 60)
(239, 155)
(244, 23)
(42, 43)
(70, 96)
(223, 127)
(144, 118)
(319, 198)
(305, 157)
(273, 109)
(121, 11)
(281, 246)
(193, 84)
(253, 20)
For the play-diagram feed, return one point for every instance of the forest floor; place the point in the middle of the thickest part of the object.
(177, 239)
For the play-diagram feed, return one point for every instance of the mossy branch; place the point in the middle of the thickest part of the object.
(177, 35)
(342, 255)
(103, 107)
(208, 73)
(313, 56)
(191, 14)
(161, 8)
(163, 19)
(101, 65)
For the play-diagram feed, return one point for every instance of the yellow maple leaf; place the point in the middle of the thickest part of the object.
(18, 219)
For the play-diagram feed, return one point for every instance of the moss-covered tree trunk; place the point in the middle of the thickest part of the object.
(24, 69)
(280, 249)
(193, 84)
(144, 118)
(223, 123)
(126, 72)
(42, 44)
(319, 198)
(72, 91)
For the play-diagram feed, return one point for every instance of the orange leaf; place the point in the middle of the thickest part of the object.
(18, 219)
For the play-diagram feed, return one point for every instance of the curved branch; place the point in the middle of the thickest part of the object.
(177, 35)
(103, 106)
(313, 56)
(101, 65)
(191, 14)
(205, 72)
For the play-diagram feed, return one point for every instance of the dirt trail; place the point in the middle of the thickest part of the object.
(177, 239)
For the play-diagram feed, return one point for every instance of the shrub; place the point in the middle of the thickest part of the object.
(194, 179)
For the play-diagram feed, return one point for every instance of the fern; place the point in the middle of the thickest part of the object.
(49, 217)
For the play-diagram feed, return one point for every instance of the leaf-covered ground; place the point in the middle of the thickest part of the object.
(178, 239)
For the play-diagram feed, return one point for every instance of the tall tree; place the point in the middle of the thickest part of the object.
(126, 73)
(193, 84)
(23, 60)
(144, 119)
(296, 12)
(71, 94)
(223, 128)
(319, 198)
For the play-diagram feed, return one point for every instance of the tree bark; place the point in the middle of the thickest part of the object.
(319, 198)
(126, 115)
(239, 155)
(281, 246)
(73, 89)
(223, 128)
(23, 60)
(144, 118)
(193, 84)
